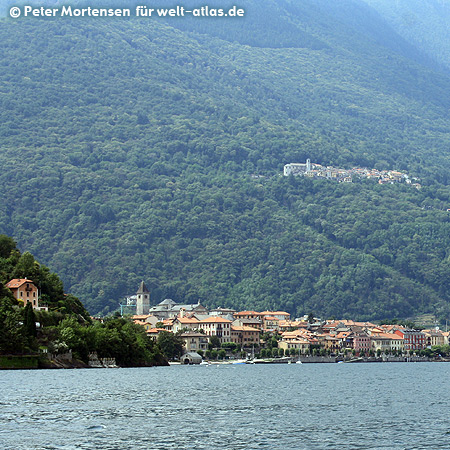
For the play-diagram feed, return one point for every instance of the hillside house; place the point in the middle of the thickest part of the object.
(23, 289)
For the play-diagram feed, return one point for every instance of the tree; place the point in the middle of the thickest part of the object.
(29, 324)
(7, 245)
(12, 339)
(214, 342)
(26, 266)
(170, 344)
(272, 343)
(230, 346)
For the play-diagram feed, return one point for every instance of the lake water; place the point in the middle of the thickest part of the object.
(309, 406)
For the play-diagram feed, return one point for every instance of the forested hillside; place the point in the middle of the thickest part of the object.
(147, 149)
(424, 23)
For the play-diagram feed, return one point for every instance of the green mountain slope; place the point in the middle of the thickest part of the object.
(423, 23)
(129, 148)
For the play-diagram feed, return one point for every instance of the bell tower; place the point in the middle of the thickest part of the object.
(142, 300)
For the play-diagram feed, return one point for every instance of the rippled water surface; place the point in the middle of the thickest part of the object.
(309, 406)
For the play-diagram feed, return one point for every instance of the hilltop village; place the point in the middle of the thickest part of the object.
(270, 334)
(314, 170)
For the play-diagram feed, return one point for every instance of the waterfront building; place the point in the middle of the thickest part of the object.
(191, 358)
(387, 342)
(434, 337)
(245, 336)
(362, 343)
(301, 346)
(413, 339)
(194, 341)
(216, 326)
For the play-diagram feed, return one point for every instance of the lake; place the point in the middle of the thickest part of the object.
(309, 406)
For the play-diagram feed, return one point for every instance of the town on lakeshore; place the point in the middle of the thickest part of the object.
(145, 335)
(314, 170)
(274, 336)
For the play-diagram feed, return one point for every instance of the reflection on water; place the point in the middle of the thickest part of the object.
(309, 406)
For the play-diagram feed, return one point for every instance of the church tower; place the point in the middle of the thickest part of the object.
(142, 300)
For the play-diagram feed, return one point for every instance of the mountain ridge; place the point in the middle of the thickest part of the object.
(129, 147)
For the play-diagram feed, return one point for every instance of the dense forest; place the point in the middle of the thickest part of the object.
(64, 324)
(153, 149)
(424, 23)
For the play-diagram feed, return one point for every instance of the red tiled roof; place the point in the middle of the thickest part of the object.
(243, 328)
(187, 320)
(17, 282)
(214, 320)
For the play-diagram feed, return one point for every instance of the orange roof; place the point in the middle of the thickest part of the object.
(187, 320)
(343, 334)
(140, 317)
(387, 336)
(271, 318)
(243, 328)
(156, 330)
(293, 323)
(17, 282)
(247, 313)
(273, 313)
(214, 320)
